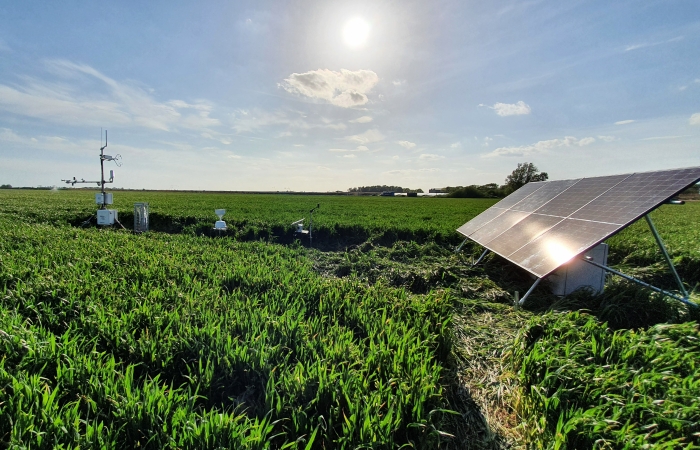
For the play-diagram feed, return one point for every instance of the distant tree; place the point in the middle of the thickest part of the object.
(382, 188)
(6, 186)
(466, 192)
(523, 174)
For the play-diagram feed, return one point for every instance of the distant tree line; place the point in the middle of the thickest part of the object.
(523, 174)
(383, 188)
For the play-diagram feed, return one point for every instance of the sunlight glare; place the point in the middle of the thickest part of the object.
(356, 32)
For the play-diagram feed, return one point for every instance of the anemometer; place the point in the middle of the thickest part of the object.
(104, 216)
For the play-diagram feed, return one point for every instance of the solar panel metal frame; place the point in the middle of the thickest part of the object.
(638, 208)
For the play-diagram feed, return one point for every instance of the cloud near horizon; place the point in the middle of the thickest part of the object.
(539, 147)
(345, 88)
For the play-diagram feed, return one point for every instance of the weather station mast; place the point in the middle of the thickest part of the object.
(105, 216)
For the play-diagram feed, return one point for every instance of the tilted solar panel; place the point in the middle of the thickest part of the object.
(543, 225)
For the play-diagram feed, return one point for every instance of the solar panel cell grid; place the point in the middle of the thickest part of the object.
(518, 195)
(570, 216)
(505, 221)
(542, 195)
(480, 220)
(521, 233)
(579, 195)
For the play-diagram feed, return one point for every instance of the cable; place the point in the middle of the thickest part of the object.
(120, 224)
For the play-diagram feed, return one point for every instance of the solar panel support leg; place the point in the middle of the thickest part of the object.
(641, 283)
(481, 257)
(668, 258)
(458, 249)
(529, 291)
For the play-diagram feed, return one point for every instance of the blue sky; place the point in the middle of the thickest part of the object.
(265, 95)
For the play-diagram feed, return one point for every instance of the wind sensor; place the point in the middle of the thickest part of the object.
(104, 216)
(299, 230)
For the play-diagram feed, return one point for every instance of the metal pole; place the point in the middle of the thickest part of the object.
(529, 291)
(311, 224)
(458, 249)
(481, 257)
(102, 171)
(640, 282)
(668, 258)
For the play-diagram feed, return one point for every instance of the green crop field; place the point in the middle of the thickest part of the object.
(378, 337)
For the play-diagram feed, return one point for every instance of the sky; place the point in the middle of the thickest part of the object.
(328, 95)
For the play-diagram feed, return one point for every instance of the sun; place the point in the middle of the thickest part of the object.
(356, 32)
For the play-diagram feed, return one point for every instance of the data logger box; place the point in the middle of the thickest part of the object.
(106, 216)
(578, 274)
(107, 198)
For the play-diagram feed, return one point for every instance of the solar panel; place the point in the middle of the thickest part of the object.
(543, 225)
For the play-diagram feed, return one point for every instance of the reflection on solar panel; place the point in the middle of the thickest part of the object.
(543, 225)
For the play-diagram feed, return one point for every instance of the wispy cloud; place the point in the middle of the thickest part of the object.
(607, 138)
(624, 122)
(245, 121)
(540, 147)
(345, 88)
(510, 109)
(662, 138)
(455, 145)
(694, 119)
(652, 44)
(73, 98)
(363, 119)
(406, 144)
(365, 138)
(430, 157)
(412, 171)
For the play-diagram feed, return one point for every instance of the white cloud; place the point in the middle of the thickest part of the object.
(345, 88)
(511, 109)
(406, 144)
(624, 122)
(487, 140)
(363, 119)
(349, 156)
(430, 157)
(362, 148)
(607, 138)
(455, 145)
(367, 137)
(539, 147)
(398, 82)
(694, 119)
(75, 99)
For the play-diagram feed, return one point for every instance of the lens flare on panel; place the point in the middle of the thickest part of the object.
(559, 252)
